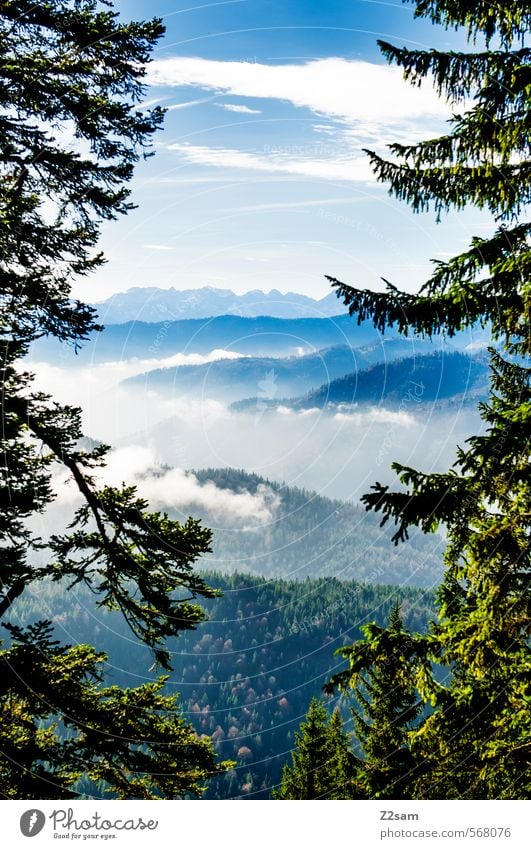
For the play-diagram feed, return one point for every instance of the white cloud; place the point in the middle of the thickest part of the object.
(367, 105)
(341, 168)
(348, 90)
(187, 103)
(176, 489)
(236, 107)
(377, 415)
(328, 129)
(180, 490)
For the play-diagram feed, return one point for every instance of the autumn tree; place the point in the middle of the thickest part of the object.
(72, 128)
(475, 742)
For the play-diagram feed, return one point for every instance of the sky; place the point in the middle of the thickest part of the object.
(259, 179)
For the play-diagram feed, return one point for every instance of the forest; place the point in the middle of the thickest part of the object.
(246, 675)
(313, 536)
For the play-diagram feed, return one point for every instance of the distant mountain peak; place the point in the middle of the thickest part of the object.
(151, 304)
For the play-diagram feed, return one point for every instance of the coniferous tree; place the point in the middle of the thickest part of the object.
(71, 130)
(321, 765)
(342, 761)
(476, 741)
(386, 712)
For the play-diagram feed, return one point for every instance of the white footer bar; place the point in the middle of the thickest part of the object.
(265, 825)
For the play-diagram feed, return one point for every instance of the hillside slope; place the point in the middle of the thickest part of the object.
(246, 675)
(432, 378)
(313, 536)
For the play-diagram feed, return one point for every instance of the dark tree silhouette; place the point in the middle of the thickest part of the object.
(71, 130)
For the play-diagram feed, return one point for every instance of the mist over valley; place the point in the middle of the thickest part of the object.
(321, 428)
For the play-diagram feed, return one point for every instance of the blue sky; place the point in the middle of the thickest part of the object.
(259, 180)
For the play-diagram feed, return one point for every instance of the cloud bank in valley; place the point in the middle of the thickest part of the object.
(339, 454)
(176, 489)
(54, 378)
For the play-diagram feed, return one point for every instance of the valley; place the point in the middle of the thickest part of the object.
(245, 675)
(268, 430)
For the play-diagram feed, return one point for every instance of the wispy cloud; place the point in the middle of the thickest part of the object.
(294, 204)
(153, 101)
(236, 107)
(340, 168)
(366, 105)
(348, 90)
(187, 103)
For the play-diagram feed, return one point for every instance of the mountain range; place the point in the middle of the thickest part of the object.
(437, 376)
(152, 304)
(261, 336)
(272, 377)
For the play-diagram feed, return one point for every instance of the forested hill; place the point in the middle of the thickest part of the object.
(313, 536)
(435, 377)
(247, 674)
(275, 377)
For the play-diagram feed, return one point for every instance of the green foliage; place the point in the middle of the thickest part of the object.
(67, 67)
(65, 726)
(247, 674)
(475, 742)
(71, 131)
(387, 712)
(321, 762)
(509, 20)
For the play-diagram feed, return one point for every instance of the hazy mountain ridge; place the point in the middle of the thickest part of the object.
(435, 377)
(273, 377)
(154, 304)
(262, 336)
(438, 375)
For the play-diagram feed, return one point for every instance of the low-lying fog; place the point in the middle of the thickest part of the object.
(337, 454)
